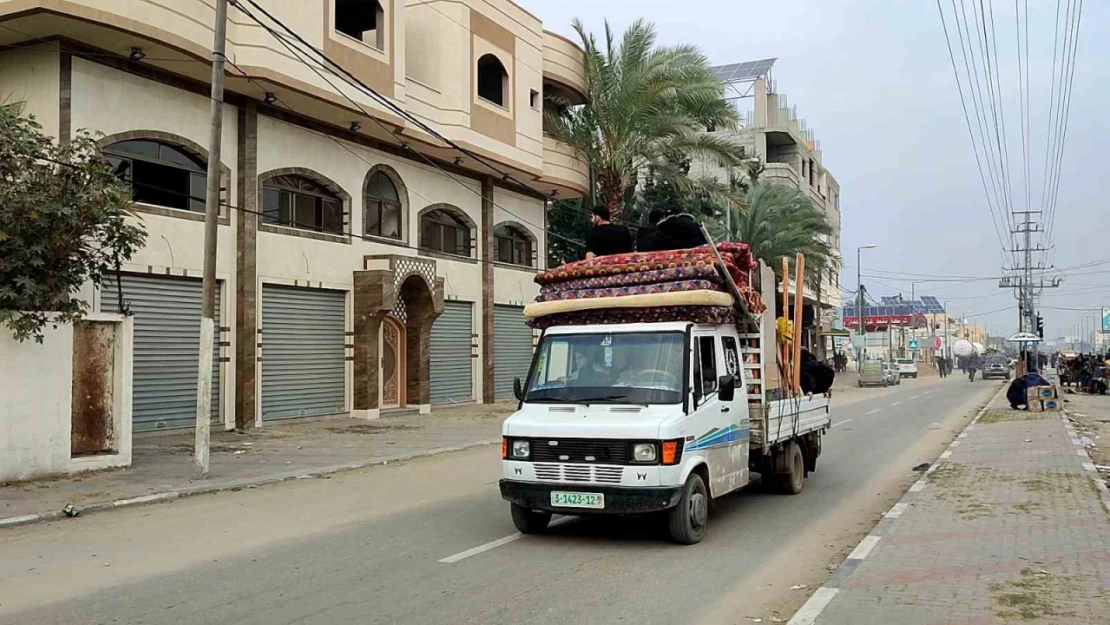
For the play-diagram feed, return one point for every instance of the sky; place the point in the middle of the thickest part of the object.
(874, 79)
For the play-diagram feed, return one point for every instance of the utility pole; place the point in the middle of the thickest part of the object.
(211, 215)
(1022, 281)
(947, 336)
(859, 288)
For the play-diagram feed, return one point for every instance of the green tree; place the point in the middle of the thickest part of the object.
(646, 103)
(62, 224)
(780, 221)
(568, 221)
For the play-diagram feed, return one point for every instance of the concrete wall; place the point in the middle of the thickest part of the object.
(36, 403)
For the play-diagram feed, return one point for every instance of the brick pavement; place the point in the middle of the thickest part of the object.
(1011, 525)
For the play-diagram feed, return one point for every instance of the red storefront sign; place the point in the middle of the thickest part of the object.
(880, 320)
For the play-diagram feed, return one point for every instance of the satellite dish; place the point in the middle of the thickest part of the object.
(963, 348)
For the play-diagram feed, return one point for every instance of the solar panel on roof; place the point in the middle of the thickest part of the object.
(747, 70)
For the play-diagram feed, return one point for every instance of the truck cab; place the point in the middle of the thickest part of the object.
(628, 418)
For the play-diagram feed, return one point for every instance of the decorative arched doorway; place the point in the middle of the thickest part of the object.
(396, 299)
(392, 375)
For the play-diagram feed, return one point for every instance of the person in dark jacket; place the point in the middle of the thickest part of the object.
(606, 238)
(816, 376)
(677, 232)
(649, 228)
(1017, 394)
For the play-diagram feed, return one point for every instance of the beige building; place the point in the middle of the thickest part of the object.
(364, 263)
(788, 152)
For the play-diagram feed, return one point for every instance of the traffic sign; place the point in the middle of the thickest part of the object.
(913, 343)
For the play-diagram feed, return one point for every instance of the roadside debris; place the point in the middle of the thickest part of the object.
(1086, 441)
(799, 586)
(70, 510)
(924, 466)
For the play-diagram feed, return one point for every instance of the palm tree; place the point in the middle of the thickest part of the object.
(780, 221)
(646, 102)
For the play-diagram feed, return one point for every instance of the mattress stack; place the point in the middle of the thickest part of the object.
(678, 285)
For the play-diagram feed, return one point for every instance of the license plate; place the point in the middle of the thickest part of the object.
(578, 500)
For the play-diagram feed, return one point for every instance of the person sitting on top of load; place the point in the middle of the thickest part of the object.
(676, 232)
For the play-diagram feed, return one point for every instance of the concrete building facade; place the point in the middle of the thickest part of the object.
(364, 263)
(785, 148)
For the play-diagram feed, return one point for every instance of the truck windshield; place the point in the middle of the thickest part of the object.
(619, 368)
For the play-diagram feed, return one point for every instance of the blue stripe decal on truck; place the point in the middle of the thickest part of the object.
(719, 438)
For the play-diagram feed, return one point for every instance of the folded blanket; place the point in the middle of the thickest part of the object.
(684, 298)
(621, 291)
(735, 255)
(696, 314)
(657, 276)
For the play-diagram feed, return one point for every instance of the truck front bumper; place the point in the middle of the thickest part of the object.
(618, 500)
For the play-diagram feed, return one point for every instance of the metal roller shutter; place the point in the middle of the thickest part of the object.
(167, 331)
(303, 352)
(512, 349)
(452, 368)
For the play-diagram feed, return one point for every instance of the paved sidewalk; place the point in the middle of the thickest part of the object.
(162, 463)
(1011, 525)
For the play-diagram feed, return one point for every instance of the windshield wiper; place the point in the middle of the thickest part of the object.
(611, 399)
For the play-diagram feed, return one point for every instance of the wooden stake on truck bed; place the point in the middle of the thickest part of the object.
(795, 336)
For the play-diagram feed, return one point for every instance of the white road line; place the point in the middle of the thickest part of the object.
(840, 423)
(897, 403)
(864, 547)
(813, 608)
(897, 510)
(493, 544)
(915, 397)
(875, 410)
(918, 486)
(462, 555)
(946, 455)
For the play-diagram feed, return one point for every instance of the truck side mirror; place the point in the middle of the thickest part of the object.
(518, 392)
(726, 386)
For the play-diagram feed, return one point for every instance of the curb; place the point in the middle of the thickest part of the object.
(202, 489)
(823, 596)
(1088, 462)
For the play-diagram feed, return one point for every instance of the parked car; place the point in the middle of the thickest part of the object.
(907, 368)
(996, 367)
(890, 373)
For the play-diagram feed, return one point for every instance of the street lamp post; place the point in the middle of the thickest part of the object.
(859, 295)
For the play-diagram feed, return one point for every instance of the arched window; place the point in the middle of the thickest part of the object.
(159, 173)
(301, 202)
(442, 231)
(512, 246)
(493, 80)
(382, 207)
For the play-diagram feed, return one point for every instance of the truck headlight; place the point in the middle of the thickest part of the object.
(644, 452)
(521, 449)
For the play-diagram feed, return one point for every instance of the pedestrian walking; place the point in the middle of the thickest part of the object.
(973, 365)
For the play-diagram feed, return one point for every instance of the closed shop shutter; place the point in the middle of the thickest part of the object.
(303, 352)
(512, 349)
(452, 368)
(167, 331)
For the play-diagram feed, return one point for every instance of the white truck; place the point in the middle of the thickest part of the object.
(654, 418)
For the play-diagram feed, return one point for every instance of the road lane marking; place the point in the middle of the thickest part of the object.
(897, 510)
(895, 404)
(493, 544)
(915, 397)
(812, 609)
(840, 423)
(864, 548)
(462, 555)
(875, 410)
(918, 486)
(946, 455)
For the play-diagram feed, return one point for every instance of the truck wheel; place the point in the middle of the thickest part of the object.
(686, 522)
(791, 483)
(529, 521)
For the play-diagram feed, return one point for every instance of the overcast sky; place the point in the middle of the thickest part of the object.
(874, 80)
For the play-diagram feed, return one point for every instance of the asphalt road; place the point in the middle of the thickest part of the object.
(368, 547)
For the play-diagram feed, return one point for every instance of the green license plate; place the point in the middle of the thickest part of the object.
(578, 500)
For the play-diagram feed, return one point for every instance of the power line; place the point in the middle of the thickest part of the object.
(967, 120)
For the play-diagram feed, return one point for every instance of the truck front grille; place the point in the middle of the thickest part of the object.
(578, 473)
(590, 450)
